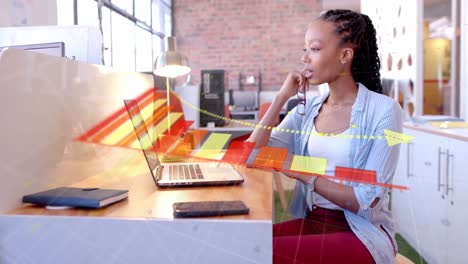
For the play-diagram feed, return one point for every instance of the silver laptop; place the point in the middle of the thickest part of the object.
(178, 174)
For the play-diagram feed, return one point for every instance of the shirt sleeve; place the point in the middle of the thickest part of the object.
(382, 159)
(282, 136)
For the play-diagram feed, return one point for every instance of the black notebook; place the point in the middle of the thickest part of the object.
(76, 197)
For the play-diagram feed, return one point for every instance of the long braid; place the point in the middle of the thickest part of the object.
(358, 30)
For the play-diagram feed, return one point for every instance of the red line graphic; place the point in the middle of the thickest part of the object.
(357, 175)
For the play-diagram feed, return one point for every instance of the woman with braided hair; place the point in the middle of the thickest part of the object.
(346, 222)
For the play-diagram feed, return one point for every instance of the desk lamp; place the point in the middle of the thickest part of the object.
(170, 64)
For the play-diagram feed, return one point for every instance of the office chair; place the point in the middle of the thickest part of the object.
(291, 104)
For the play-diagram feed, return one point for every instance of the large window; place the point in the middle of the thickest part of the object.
(441, 57)
(132, 30)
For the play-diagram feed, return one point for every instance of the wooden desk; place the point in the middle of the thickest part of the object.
(142, 229)
(147, 200)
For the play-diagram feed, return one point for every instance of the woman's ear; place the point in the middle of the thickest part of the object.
(347, 55)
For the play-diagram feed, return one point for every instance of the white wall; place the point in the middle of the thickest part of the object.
(14, 13)
(399, 35)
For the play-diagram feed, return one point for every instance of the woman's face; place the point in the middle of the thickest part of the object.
(323, 55)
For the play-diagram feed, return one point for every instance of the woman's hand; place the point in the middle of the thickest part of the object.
(293, 81)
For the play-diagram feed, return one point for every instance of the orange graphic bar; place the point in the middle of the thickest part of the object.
(120, 121)
(189, 142)
(197, 136)
(164, 143)
(173, 135)
(157, 116)
(180, 127)
(238, 152)
(183, 148)
(271, 157)
(355, 175)
(110, 119)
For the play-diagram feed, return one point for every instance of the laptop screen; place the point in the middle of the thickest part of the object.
(142, 133)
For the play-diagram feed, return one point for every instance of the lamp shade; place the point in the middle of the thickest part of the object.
(171, 63)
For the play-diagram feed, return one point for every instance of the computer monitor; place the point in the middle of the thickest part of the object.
(53, 48)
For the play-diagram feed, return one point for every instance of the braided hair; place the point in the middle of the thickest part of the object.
(358, 30)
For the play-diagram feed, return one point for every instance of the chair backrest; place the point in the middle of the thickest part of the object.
(291, 104)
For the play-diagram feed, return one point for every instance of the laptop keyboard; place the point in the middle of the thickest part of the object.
(185, 172)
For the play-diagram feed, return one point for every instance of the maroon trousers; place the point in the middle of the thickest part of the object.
(323, 237)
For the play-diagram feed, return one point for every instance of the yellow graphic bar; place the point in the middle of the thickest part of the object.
(309, 164)
(395, 138)
(127, 127)
(213, 146)
(157, 130)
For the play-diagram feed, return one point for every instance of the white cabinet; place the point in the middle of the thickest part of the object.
(457, 200)
(430, 215)
(403, 202)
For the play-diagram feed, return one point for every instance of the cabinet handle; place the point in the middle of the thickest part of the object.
(438, 169)
(447, 188)
(408, 174)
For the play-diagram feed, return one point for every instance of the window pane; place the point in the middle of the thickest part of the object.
(65, 12)
(143, 10)
(157, 46)
(123, 43)
(144, 52)
(167, 2)
(88, 13)
(441, 50)
(106, 31)
(156, 16)
(168, 24)
(126, 5)
(166, 15)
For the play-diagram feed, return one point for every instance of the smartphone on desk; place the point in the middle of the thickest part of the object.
(209, 208)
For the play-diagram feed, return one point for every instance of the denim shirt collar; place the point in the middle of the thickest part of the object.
(316, 104)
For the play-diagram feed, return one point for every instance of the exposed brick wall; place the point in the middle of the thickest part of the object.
(244, 36)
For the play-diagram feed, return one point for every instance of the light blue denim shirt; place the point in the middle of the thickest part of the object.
(371, 114)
